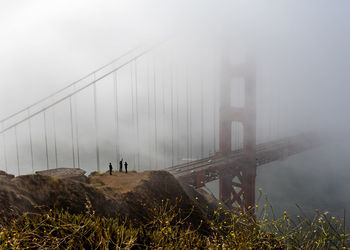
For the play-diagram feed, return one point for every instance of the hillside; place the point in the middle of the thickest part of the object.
(149, 210)
(131, 195)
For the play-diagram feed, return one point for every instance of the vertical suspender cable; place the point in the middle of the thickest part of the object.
(71, 129)
(172, 115)
(239, 136)
(46, 148)
(202, 121)
(4, 144)
(31, 141)
(76, 129)
(55, 135)
(17, 151)
(257, 115)
(116, 115)
(163, 121)
(190, 120)
(234, 125)
(137, 118)
(238, 125)
(279, 120)
(149, 116)
(96, 127)
(236, 134)
(177, 124)
(234, 128)
(187, 119)
(269, 115)
(265, 115)
(273, 116)
(214, 117)
(132, 108)
(155, 116)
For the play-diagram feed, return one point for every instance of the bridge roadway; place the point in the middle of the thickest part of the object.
(199, 172)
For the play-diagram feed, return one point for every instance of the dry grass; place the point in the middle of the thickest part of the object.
(56, 229)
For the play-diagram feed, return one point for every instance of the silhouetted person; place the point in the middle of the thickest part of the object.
(126, 167)
(121, 165)
(110, 168)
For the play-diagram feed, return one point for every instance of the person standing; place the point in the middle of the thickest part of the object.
(110, 168)
(126, 167)
(121, 165)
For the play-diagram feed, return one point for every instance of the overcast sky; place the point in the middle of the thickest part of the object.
(45, 45)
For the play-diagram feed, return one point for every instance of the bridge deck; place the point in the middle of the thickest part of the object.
(265, 153)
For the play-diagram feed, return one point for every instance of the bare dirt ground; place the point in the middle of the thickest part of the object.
(120, 182)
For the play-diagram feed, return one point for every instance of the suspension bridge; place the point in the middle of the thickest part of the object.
(202, 117)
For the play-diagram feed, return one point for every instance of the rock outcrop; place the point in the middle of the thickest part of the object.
(133, 195)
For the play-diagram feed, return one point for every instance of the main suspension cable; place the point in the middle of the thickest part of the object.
(70, 85)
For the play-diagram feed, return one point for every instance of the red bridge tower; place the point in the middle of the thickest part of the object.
(237, 185)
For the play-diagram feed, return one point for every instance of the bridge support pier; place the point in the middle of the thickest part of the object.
(237, 187)
(231, 187)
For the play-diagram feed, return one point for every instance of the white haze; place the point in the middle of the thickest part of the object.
(302, 52)
(302, 46)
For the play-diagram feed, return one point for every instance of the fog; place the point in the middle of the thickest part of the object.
(302, 58)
